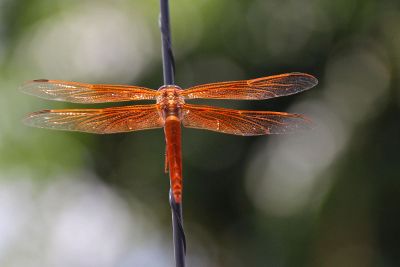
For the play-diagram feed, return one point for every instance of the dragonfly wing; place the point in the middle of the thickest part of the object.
(256, 89)
(86, 93)
(99, 121)
(242, 122)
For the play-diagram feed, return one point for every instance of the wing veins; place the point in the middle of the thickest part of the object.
(94, 121)
(244, 120)
(86, 93)
(255, 89)
(125, 117)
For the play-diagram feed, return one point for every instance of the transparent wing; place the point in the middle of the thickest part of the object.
(242, 122)
(256, 89)
(99, 121)
(86, 93)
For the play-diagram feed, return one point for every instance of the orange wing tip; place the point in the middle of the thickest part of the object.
(37, 81)
(296, 123)
(53, 89)
(304, 80)
(32, 118)
(45, 119)
(306, 76)
(310, 79)
(291, 123)
(36, 87)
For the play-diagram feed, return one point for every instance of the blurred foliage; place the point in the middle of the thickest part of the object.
(329, 197)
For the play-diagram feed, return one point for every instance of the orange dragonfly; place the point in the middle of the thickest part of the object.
(170, 111)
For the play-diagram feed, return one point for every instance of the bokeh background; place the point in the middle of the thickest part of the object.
(327, 197)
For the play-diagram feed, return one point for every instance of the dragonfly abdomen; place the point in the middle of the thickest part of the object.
(172, 131)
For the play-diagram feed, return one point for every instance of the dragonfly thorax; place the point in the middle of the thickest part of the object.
(170, 101)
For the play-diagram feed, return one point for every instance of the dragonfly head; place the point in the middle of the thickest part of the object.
(170, 95)
(170, 99)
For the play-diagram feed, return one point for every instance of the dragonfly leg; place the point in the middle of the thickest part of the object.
(166, 161)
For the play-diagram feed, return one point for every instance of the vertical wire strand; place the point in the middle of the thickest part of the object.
(167, 54)
(179, 239)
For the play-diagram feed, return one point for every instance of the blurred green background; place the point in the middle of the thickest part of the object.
(327, 197)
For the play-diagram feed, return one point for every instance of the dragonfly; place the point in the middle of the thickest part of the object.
(170, 111)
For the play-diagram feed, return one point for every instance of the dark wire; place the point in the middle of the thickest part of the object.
(170, 54)
(167, 53)
(177, 210)
(169, 72)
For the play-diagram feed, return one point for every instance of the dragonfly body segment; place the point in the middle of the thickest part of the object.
(170, 110)
(169, 104)
(170, 101)
(172, 130)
